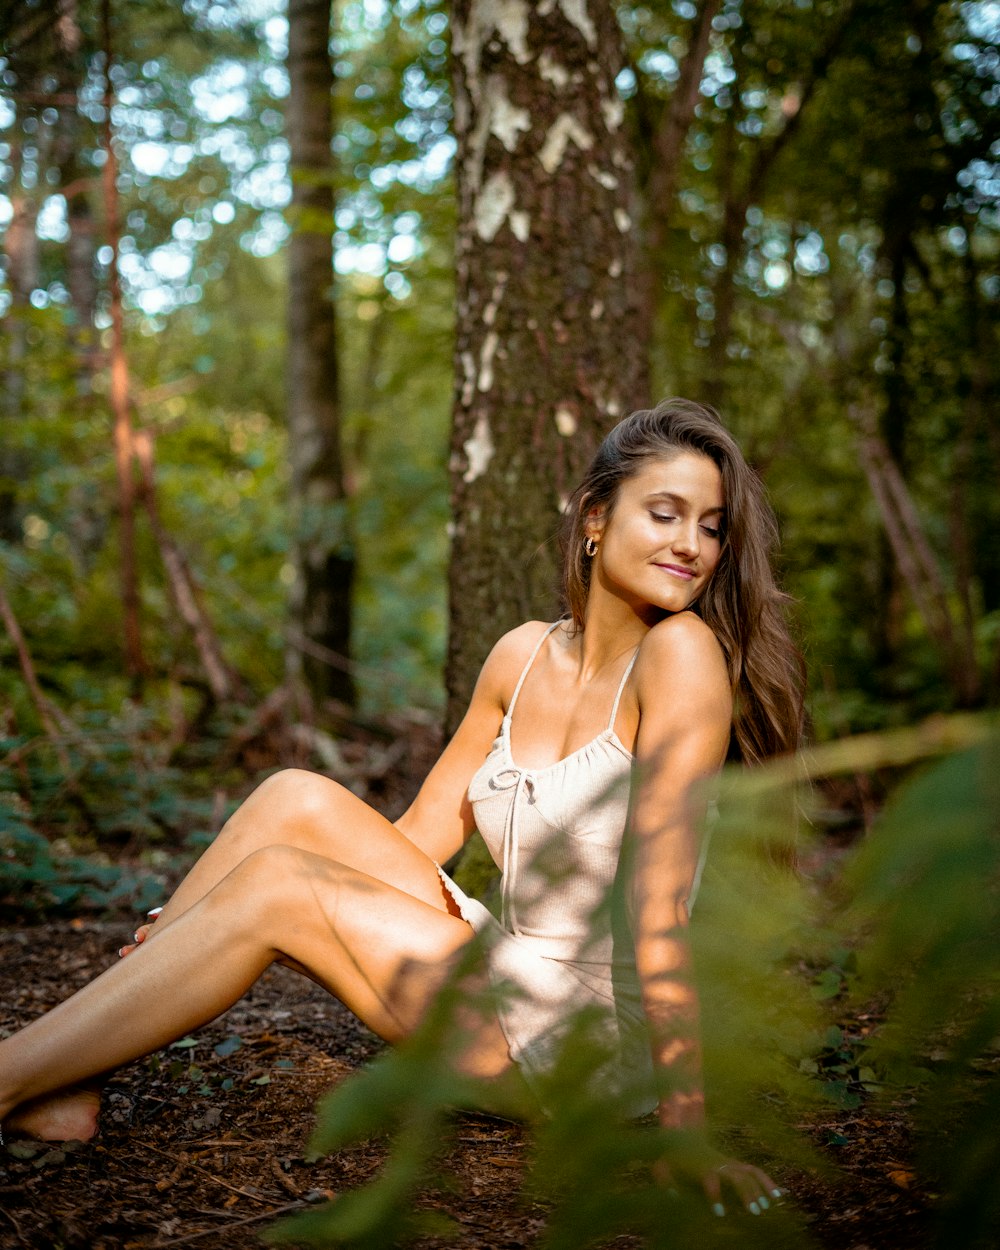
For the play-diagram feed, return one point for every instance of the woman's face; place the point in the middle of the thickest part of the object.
(660, 544)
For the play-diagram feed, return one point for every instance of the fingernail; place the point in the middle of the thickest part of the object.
(777, 1193)
(136, 937)
(718, 1209)
(754, 1209)
(154, 911)
(121, 952)
(764, 1204)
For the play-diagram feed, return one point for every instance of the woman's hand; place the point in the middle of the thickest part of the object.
(751, 1185)
(140, 934)
(718, 1177)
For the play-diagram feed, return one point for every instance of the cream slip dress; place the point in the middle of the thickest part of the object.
(561, 957)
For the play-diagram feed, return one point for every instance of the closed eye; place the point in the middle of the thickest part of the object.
(666, 517)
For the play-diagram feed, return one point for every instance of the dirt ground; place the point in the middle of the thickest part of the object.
(206, 1149)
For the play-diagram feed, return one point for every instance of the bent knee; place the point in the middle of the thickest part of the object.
(301, 796)
(269, 877)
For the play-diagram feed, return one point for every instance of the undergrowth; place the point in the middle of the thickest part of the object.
(917, 929)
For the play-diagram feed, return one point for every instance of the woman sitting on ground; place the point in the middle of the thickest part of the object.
(594, 728)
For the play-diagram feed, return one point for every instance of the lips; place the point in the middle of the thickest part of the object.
(678, 570)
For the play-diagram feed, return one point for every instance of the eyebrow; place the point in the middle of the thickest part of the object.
(679, 499)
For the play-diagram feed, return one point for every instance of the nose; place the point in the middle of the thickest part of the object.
(687, 539)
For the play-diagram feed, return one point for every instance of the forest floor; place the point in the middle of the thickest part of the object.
(205, 1144)
(206, 1149)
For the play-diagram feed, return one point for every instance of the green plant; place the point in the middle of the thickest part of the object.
(926, 893)
(922, 904)
(34, 878)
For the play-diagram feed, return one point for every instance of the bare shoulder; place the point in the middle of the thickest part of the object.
(683, 655)
(508, 657)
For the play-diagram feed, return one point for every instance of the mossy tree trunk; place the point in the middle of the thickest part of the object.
(550, 348)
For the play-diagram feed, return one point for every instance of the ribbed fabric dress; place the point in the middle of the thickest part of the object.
(561, 944)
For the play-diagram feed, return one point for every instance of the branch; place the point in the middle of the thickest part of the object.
(221, 679)
(769, 153)
(916, 561)
(42, 705)
(669, 137)
(47, 711)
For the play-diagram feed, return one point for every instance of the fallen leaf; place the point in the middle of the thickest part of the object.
(902, 1178)
(53, 1156)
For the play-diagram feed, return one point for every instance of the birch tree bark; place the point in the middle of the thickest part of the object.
(324, 560)
(550, 346)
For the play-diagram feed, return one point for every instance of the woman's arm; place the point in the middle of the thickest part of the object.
(685, 714)
(439, 820)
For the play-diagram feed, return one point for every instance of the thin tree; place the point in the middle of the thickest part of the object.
(118, 385)
(741, 190)
(323, 554)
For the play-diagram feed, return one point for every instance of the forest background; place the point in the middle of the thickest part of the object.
(309, 318)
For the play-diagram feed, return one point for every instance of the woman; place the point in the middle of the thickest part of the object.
(674, 646)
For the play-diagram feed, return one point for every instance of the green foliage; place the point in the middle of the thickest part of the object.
(851, 146)
(34, 877)
(837, 1065)
(834, 243)
(407, 1092)
(926, 896)
(103, 821)
(590, 1162)
(749, 930)
(201, 180)
(914, 926)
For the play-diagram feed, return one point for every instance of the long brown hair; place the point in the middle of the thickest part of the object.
(742, 603)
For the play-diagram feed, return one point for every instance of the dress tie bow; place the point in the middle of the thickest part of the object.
(521, 781)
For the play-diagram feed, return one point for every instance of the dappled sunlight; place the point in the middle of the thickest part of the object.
(762, 933)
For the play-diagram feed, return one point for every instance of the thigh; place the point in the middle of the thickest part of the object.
(305, 810)
(384, 953)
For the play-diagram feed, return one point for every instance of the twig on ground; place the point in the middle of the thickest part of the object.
(17, 1227)
(209, 1232)
(244, 1193)
(283, 1179)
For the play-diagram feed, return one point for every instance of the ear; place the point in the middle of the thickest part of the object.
(594, 520)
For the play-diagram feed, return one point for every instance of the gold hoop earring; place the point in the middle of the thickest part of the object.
(590, 546)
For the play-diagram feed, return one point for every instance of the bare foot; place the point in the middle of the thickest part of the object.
(69, 1115)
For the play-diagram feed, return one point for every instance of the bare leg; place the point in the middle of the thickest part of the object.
(384, 953)
(292, 808)
(306, 810)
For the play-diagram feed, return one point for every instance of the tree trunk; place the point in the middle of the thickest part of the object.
(675, 122)
(739, 195)
(324, 558)
(662, 134)
(75, 180)
(20, 245)
(135, 664)
(550, 345)
(223, 683)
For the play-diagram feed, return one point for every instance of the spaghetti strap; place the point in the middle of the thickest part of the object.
(621, 688)
(524, 671)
